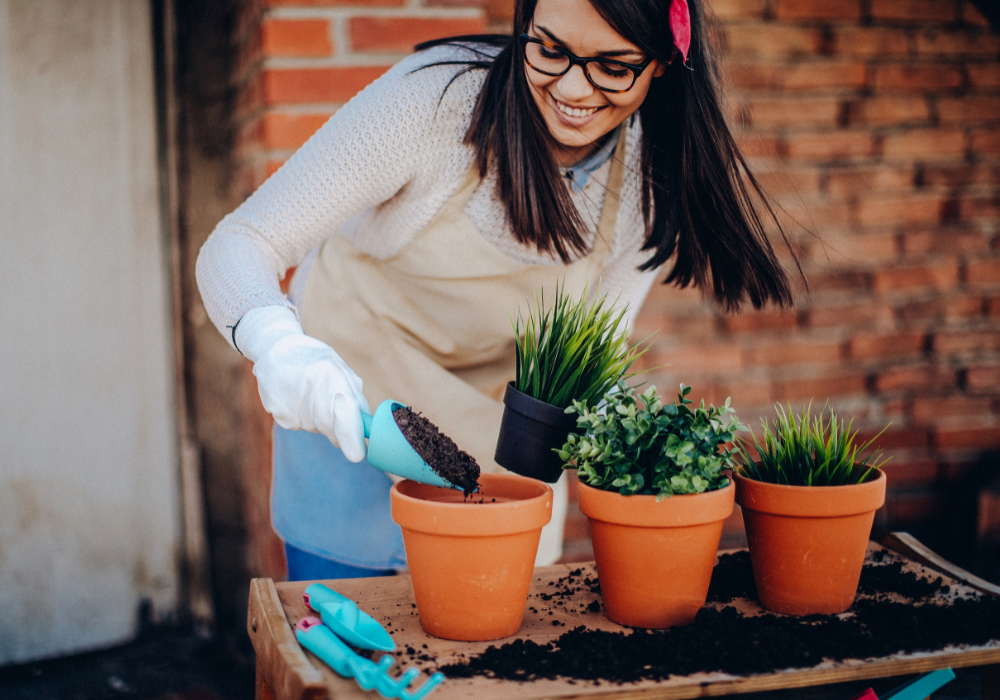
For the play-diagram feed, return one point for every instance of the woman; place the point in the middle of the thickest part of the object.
(588, 148)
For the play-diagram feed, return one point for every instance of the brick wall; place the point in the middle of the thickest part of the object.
(874, 123)
(876, 126)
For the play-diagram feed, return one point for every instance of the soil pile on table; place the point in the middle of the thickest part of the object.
(438, 450)
(724, 639)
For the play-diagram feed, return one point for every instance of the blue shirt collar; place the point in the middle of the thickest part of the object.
(579, 174)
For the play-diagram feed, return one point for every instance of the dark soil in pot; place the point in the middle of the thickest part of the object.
(438, 450)
(723, 639)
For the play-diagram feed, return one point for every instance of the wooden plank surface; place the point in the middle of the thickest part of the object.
(390, 601)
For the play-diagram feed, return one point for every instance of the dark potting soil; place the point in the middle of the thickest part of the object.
(438, 450)
(726, 640)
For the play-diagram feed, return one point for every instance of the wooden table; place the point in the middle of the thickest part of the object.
(285, 671)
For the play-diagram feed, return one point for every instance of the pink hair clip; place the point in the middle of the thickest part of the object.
(680, 26)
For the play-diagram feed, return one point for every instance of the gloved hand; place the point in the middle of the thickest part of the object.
(303, 383)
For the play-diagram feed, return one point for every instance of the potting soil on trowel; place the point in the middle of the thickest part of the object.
(438, 450)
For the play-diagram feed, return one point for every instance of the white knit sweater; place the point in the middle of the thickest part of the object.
(378, 171)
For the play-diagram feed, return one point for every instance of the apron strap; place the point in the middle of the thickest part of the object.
(612, 199)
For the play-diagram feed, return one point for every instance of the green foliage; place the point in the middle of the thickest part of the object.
(572, 350)
(807, 450)
(651, 448)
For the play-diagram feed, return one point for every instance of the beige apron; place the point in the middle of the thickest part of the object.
(431, 326)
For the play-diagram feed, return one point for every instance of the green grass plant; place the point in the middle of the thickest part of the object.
(808, 450)
(649, 447)
(572, 350)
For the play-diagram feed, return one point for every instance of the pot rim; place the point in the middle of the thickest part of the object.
(810, 501)
(682, 510)
(473, 519)
(517, 401)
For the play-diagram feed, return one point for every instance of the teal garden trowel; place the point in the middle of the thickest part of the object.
(389, 450)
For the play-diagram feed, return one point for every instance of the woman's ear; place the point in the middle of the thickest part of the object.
(661, 68)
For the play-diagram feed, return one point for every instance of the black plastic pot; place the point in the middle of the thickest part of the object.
(530, 431)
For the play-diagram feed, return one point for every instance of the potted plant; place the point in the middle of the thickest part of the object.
(809, 501)
(573, 350)
(654, 492)
(471, 557)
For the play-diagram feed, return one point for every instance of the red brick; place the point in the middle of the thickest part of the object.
(941, 240)
(337, 3)
(993, 308)
(790, 353)
(884, 211)
(705, 359)
(914, 378)
(907, 76)
(925, 144)
(737, 9)
(782, 113)
(988, 520)
(881, 111)
(823, 76)
(971, 108)
(750, 393)
(907, 508)
(821, 388)
(839, 280)
(961, 175)
(854, 315)
(810, 10)
(983, 273)
(317, 85)
(758, 145)
(942, 275)
(983, 75)
(771, 40)
(971, 15)
(914, 11)
(283, 131)
(935, 42)
(500, 11)
(833, 145)
(864, 347)
(982, 379)
(797, 214)
(910, 474)
(296, 37)
(753, 75)
(893, 438)
(466, 3)
(797, 182)
(969, 438)
(760, 321)
(979, 208)
(853, 180)
(986, 142)
(957, 342)
(853, 250)
(874, 42)
(400, 34)
(950, 308)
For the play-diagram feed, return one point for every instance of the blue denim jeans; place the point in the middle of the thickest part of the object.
(303, 566)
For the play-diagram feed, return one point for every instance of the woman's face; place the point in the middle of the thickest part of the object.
(576, 113)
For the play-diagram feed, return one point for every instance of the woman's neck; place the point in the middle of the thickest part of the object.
(568, 157)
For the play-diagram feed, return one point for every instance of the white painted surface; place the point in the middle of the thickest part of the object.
(88, 494)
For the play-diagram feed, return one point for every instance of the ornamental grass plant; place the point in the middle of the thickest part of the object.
(808, 450)
(573, 350)
(651, 448)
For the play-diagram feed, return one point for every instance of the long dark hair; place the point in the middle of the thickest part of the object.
(700, 202)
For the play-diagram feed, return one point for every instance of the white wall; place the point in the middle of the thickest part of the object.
(88, 495)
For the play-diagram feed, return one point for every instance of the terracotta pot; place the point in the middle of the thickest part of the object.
(655, 559)
(471, 562)
(808, 543)
(529, 432)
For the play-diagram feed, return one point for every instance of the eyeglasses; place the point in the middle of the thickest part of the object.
(603, 73)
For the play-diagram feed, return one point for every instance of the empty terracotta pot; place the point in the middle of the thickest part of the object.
(655, 559)
(808, 543)
(471, 561)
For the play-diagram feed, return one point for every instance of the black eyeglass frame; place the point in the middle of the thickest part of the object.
(575, 60)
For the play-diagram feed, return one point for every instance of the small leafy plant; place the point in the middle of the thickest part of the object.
(572, 350)
(807, 450)
(651, 448)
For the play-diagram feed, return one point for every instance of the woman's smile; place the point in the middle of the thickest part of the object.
(575, 115)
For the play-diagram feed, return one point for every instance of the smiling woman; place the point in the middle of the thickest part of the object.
(585, 150)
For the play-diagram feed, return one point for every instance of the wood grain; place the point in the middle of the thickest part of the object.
(390, 601)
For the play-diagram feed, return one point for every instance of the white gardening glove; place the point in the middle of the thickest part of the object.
(303, 383)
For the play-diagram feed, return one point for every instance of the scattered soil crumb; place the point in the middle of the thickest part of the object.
(438, 450)
(724, 639)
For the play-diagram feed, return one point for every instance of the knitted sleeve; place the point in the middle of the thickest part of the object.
(363, 156)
